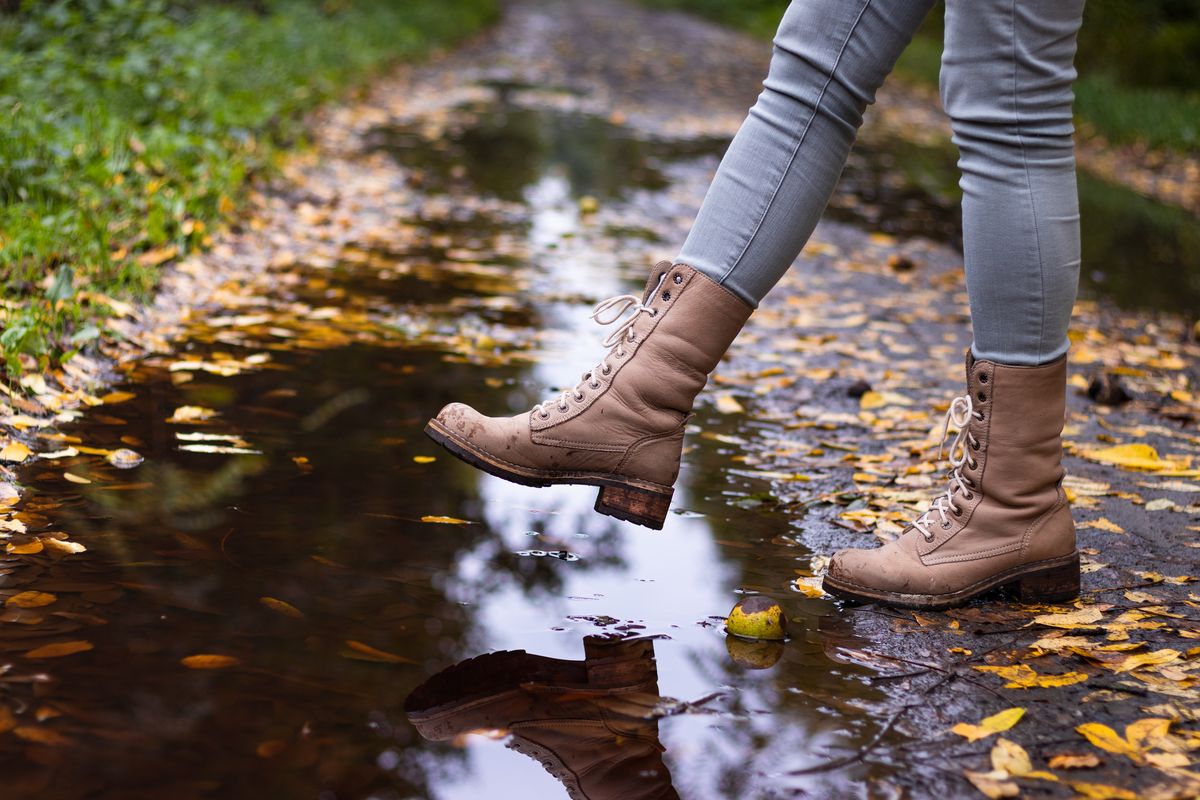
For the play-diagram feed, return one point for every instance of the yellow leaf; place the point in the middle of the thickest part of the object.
(1155, 658)
(65, 547)
(1009, 757)
(287, 609)
(424, 459)
(191, 414)
(445, 520)
(1103, 524)
(809, 587)
(73, 478)
(15, 452)
(59, 649)
(1147, 733)
(1086, 761)
(112, 398)
(32, 733)
(993, 784)
(1108, 740)
(1098, 791)
(30, 600)
(368, 653)
(27, 549)
(209, 661)
(872, 400)
(1075, 619)
(989, 725)
(1021, 676)
(1134, 456)
(728, 404)
(1168, 760)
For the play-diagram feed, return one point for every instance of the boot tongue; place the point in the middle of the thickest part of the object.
(656, 275)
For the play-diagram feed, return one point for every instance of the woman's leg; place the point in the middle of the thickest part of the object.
(1007, 71)
(1003, 519)
(776, 178)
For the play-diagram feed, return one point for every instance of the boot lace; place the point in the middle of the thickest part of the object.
(960, 414)
(606, 312)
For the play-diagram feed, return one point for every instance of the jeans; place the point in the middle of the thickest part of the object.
(1007, 71)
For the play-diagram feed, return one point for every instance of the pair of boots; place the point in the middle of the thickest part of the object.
(1003, 519)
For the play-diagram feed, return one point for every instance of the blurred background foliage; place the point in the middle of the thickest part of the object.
(1139, 63)
(131, 127)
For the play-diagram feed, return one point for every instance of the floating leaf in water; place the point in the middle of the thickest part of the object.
(124, 458)
(365, 652)
(209, 661)
(69, 452)
(424, 459)
(445, 520)
(26, 548)
(112, 398)
(73, 478)
(30, 599)
(287, 609)
(63, 546)
(220, 449)
(728, 404)
(989, 725)
(59, 649)
(185, 414)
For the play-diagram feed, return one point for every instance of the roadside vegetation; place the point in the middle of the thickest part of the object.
(133, 126)
(1138, 63)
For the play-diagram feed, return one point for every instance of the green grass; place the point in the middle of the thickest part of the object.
(132, 127)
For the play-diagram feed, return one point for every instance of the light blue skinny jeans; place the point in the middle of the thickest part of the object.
(1007, 71)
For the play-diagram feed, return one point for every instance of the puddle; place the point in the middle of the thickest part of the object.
(260, 621)
(1137, 253)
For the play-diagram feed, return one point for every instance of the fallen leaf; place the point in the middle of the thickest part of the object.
(1155, 658)
(989, 725)
(63, 546)
(1098, 791)
(1103, 524)
(59, 649)
(424, 459)
(1108, 740)
(728, 404)
(27, 548)
(368, 653)
(445, 520)
(1069, 761)
(112, 398)
(1075, 619)
(287, 609)
(30, 600)
(15, 452)
(1022, 676)
(185, 414)
(73, 478)
(1010, 758)
(209, 661)
(1134, 456)
(993, 784)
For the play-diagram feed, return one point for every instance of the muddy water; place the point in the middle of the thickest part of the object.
(291, 543)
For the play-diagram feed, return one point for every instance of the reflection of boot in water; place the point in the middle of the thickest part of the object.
(587, 722)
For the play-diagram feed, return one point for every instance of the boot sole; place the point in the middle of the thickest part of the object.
(1054, 580)
(640, 502)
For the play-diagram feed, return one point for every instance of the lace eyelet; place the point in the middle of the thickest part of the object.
(606, 369)
(594, 384)
(666, 297)
(620, 353)
(968, 496)
(678, 279)
(946, 525)
(563, 407)
(654, 313)
(982, 397)
(544, 415)
(974, 445)
(983, 377)
(956, 511)
(928, 538)
(632, 336)
(972, 464)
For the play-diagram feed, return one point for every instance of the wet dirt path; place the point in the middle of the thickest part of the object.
(260, 597)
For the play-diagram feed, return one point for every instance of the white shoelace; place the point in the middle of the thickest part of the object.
(606, 312)
(959, 415)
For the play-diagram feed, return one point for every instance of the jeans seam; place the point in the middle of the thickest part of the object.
(796, 148)
(1037, 236)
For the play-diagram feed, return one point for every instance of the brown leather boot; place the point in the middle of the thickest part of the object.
(621, 427)
(1003, 520)
(592, 724)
